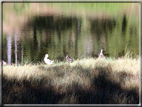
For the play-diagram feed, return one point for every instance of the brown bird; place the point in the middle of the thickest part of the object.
(3, 62)
(68, 58)
(101, 55)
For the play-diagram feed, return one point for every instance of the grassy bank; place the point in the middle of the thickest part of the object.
(85, 81)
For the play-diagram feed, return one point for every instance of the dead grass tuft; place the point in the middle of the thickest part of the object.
(102, 81)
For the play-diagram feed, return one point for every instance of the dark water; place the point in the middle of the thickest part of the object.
(57, 35)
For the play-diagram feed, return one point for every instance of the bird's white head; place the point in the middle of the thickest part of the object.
(46, 55)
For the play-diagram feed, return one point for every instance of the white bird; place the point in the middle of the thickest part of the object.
(47, 61)
(101, 54)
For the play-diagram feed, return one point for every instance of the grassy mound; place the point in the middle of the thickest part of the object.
(85, 81)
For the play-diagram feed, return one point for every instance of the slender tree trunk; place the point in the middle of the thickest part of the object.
(35, 37)
(38, 45)
(78, 28)
(22, 54)
(59, 33)
(15, 49)
(9, 46)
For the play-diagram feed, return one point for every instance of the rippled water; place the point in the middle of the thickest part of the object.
(57, 35)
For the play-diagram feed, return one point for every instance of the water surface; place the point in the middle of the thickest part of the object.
(80, 37)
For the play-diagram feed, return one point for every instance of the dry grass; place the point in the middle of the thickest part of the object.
(85, 81)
